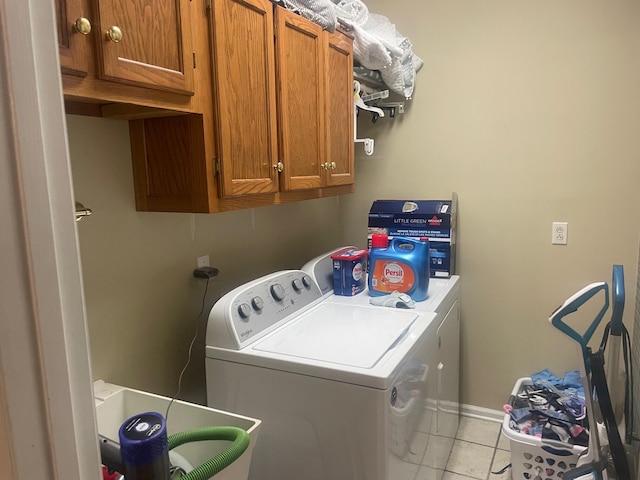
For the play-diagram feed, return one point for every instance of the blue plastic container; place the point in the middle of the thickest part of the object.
(144, 447)
(349, 271)
(403, 266)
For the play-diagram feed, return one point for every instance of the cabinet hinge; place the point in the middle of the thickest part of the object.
(193, 54)
(208, 6)
(217, 167)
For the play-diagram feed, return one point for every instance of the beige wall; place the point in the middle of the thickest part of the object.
(141, 298)
(531, 112)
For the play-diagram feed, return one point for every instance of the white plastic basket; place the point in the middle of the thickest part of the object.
(534, 458)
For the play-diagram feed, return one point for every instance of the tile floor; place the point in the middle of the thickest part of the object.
(479, 449)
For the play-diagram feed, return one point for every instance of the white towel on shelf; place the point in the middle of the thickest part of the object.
(379, 46)
(322, 12)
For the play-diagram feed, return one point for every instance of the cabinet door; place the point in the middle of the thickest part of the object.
(146, 43)
(245, 95)
(339, 108)
(300, 54)
(73, 42)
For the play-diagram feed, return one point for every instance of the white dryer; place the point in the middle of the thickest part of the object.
(345, 390)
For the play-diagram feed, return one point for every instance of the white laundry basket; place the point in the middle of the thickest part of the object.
(533, 458)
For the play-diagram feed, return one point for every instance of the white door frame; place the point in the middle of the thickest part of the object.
(47, 415)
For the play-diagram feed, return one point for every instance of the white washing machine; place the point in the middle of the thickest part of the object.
(345, 390)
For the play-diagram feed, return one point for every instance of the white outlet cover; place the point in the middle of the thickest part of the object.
(559, 233)
(203, 261)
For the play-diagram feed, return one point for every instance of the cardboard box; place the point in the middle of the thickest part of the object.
(434, 219)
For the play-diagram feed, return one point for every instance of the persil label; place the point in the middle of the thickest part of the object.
(393, 272)
(357, 272)
(389, 276)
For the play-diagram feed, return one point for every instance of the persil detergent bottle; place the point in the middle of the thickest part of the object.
(400, 264)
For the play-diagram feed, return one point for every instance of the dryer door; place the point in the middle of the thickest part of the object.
(449, 373)
(351, 335)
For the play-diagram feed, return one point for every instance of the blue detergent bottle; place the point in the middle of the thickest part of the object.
(399, 264)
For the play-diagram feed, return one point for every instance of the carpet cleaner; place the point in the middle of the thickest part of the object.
(598, 462)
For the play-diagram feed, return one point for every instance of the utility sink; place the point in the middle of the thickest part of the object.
(115, 404)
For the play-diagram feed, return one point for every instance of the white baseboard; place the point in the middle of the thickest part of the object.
(481, 413)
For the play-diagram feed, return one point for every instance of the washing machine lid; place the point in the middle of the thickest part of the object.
(352, 335)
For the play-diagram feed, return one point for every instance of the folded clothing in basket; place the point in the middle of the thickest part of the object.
(547, 412)
(569, 383)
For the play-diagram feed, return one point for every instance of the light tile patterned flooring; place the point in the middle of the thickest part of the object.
(479, 449)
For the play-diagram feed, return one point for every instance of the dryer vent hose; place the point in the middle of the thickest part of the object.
(208, 469)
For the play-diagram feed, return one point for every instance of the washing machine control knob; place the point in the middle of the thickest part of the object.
(257, 303)
(244, 310)
(277, 291)
(306, 281)
(296, 284)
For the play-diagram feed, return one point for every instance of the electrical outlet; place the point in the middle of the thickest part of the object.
(203, 261)
(559, 233)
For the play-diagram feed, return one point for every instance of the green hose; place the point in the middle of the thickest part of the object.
(208, 469)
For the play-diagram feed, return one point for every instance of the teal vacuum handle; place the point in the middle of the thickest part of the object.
(617, 292)
(572, 304)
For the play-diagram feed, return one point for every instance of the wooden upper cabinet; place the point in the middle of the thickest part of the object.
(339, 108)
(245, 96)
(168, 173)
(276, 123)
(74, 28)
(145, 43)
(300, 76)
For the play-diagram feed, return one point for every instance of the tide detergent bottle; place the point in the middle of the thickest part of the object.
(400, 264)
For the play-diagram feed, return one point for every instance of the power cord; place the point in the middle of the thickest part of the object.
(628, 373)
(501, 471)
(207, 273)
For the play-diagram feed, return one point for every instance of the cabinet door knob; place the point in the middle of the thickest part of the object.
(325, 166)
(279, 166)
(114, 34)
(333, 165)
(82, 25)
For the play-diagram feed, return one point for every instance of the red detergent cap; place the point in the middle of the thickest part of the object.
(379, 240)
